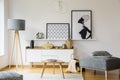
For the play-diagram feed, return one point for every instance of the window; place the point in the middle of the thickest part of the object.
(1, 27)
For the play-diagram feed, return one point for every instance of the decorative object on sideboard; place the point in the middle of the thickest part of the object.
(81, 22)
(32, 44)
(39, 35)
(69, 44)
(48, 45)
(64, 46)
(57, 31)
(16, 25)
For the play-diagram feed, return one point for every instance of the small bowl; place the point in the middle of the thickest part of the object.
(52, 60)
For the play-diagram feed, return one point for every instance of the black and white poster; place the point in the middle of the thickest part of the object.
(81, 22)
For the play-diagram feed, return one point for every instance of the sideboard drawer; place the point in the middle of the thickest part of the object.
(37, 55)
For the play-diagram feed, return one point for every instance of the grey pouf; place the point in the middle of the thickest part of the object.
(5, 75)
(101, 60)
(100, 63)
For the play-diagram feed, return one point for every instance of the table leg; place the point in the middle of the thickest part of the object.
(44, 65)
(106, 74)
(81, 71)
(53, 68)
(94, 72)
(119, 73)
(61, 69)
(31, 64)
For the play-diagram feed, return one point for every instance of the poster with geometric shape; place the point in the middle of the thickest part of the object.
(81, 22)
(57, 31)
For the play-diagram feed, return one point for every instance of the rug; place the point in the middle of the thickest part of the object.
(36, 76)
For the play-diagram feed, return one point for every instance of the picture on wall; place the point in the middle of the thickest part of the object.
(81, 22)
(57, 31)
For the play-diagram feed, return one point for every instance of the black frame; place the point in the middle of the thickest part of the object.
(55, 24)
(72, 12)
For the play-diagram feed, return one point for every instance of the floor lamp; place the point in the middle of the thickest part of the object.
(16, 25)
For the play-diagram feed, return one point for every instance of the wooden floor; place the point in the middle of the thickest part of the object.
(89, 75)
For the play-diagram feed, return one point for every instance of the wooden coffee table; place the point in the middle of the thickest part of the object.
(53, 62)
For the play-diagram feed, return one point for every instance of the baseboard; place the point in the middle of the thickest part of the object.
(33, 66)
(3, 68)
(39, 66)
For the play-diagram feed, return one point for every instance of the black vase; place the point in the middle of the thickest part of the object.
(32, 44)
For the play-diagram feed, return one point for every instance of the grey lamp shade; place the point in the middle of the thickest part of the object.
(16, 24)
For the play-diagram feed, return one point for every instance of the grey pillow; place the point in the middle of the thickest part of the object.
(101, 53)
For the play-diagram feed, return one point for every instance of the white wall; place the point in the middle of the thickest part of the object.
(4, 58)
(105, 15)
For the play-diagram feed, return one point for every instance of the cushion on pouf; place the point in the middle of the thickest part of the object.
(101, 53)
(6, 75)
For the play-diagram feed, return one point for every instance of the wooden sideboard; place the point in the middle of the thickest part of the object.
(38, 55)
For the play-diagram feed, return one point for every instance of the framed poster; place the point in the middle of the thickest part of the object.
(57, 31)
(81, 22)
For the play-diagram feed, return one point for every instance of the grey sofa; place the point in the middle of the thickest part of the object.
(101, 60)
(6, 75)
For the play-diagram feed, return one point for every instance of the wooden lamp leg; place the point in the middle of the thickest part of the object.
(20, 50)
(16, 49)
(11, 55)
(16, 42)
